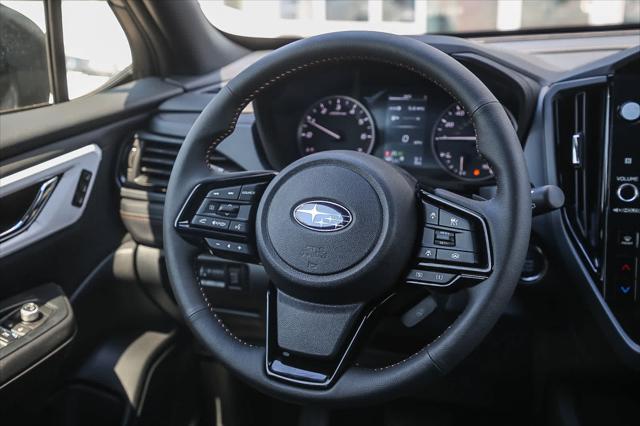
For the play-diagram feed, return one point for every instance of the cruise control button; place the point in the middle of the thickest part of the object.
(210, 222)
(239, 227)
(444, 238)
(431, 213)
(459, 241)
(453, 221)
(427, 253)
(455, 256)
(249, 192)
(228, 246)
(225, 210)
(228, 210)
(208, 207)
(229, 193)
(429, 277)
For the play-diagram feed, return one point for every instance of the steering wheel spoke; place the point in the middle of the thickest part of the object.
(309, 343)
(220, 213)
(454, 246)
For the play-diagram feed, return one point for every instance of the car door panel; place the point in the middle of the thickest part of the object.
(67, 247)
(83, 242)
(37, 340)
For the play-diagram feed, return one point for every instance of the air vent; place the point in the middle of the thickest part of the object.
(580, 122)
(150, 159)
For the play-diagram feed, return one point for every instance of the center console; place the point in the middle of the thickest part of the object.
(597, 149)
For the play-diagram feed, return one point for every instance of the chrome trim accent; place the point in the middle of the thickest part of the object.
(341, 212)
(41, 198)
(576, 150)
(635, 192)
(604, 192)
(58, 212)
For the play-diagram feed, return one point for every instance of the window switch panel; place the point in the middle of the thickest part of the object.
(81, 188)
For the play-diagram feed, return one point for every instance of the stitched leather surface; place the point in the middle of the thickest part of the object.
(509, 214)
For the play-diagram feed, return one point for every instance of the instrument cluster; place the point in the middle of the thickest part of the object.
(404, 120)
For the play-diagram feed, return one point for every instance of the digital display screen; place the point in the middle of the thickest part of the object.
(405, 130)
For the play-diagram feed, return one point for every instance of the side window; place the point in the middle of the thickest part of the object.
(92, 51)
(95, 46)
(24, 72)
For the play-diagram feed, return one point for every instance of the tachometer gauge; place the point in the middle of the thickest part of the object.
(454, 143)
(336, 122)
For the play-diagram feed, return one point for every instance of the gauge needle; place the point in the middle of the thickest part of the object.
(324, 129)
(461, 168)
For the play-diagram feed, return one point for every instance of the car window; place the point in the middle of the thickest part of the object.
(24, 75)
(95, 48)
(301, 18)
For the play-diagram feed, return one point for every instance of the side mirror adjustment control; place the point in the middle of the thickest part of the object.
(29, 312)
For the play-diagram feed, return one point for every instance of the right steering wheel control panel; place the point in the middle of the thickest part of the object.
(454, 246)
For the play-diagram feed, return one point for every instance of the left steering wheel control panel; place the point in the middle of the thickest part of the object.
(222, 212)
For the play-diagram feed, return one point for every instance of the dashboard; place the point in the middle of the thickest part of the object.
(383, 111)
(574, 127)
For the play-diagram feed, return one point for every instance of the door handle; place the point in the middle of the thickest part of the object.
(34, 209)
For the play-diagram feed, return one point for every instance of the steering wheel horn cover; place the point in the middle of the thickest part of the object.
(356, 264)
(508, 218)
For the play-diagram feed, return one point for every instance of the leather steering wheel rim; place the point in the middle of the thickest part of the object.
(509, 214)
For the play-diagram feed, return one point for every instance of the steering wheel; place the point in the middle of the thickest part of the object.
(339, 232)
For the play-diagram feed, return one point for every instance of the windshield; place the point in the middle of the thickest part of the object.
(300, 18)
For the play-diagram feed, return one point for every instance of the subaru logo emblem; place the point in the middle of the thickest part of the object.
(322, 216)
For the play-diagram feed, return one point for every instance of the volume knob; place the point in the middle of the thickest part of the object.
(627, 192)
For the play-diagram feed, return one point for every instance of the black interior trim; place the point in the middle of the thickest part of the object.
(188, 38)
(26, 130)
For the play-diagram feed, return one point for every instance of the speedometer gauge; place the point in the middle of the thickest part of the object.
(336, 122)
(454, 142)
